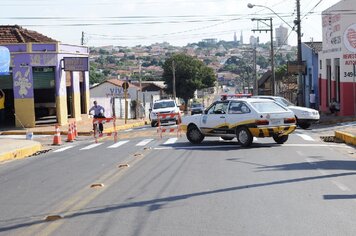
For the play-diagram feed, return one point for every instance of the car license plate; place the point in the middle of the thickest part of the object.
(275, 122)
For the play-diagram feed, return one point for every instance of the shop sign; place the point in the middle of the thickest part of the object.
(76, 63)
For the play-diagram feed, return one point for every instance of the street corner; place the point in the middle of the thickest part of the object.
(346, 137)
(19, 149)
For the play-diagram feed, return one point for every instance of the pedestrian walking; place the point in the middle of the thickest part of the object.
(312, 99)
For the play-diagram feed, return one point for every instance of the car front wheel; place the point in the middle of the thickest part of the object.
(244, 136)
(227, 138)
(194, 135)
(304, 125)
(280, 139)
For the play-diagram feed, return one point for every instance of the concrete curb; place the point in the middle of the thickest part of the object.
(346, 137)
(20, 153)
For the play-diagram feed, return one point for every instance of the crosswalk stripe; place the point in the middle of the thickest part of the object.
(128, 130)
(306, 137)
(63, 149)
(115, 145)
(144, 142)
(91, 146)
(171, 141)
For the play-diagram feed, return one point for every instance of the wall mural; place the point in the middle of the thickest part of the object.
(22, 82)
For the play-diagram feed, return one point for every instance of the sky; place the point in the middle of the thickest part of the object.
(145, 22)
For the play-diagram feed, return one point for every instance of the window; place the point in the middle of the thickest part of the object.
(218, 108)
(166, 104)
(268, 107)
(238, 108)
(321, 64)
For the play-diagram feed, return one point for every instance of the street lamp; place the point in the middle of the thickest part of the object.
(254, 5)
(296, 22)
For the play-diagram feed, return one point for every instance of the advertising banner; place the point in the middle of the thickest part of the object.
(4, 60)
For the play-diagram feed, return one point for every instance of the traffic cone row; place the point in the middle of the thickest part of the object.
(57, 137)
(71, 133)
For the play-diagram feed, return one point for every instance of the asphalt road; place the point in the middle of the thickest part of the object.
(169, 187)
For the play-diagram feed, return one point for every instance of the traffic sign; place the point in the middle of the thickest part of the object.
(125, 85)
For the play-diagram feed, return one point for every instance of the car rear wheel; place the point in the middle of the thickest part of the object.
(244, 136)
(280, 139)
(194, 135)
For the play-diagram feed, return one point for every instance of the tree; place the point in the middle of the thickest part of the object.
(94, 75)
(190, 73)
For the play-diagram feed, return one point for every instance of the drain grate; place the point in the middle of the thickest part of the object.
(330, 139)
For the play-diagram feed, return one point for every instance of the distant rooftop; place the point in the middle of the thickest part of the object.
(17, 34)
(316, 46)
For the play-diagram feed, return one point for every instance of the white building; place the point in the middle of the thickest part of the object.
(281, 36)
(338, 58)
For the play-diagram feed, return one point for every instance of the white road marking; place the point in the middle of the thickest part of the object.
(315, 145)
(341, 186)
(115, 145)
(306, 137)
(128, 130)
(144, 142)
(310, 161)
(91, 146)
(63, 148)
(195, 147)
(300, 153)
(171, 141)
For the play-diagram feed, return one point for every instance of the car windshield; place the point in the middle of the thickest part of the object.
(284, 102)
(196, 105)
(165, 104)
(268, 107)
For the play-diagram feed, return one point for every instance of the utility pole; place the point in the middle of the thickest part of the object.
(255, 86)
(174, 80)
(82, 39)
(270, 29)
(300, 94)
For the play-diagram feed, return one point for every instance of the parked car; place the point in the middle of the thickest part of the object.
(305, 116)
(196, 108)
(166, 106)
(242, 118)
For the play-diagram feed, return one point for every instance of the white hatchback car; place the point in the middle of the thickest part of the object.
(305, 116)
(166, 106)
(243, 119)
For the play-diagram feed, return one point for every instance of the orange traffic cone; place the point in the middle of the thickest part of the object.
(57, 137)
(70, 136)
(75, 129)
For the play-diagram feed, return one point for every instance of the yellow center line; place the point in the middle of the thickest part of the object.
(77, 201)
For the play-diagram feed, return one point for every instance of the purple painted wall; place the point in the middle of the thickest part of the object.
(47, 55)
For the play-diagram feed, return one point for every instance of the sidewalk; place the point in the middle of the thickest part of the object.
(11, 148)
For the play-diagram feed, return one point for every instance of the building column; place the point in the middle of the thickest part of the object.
(23, 96)
(76, 95)
(86, 92)
(61, 97)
